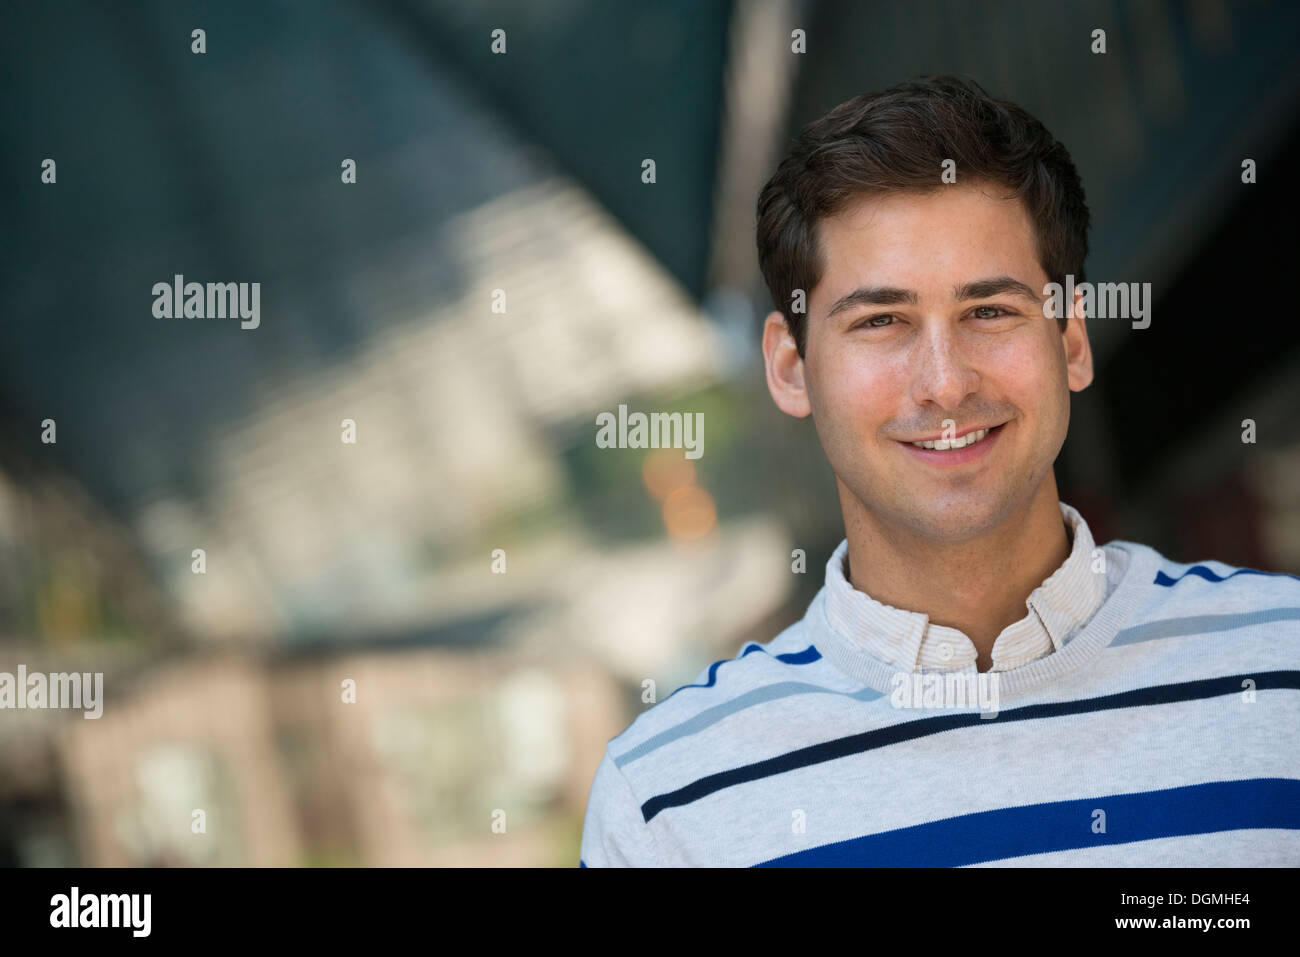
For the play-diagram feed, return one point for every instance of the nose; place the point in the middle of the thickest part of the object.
(942, 373)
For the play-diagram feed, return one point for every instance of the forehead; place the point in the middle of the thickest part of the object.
(927, 241)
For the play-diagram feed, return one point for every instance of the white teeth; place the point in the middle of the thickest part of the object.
(940, 445)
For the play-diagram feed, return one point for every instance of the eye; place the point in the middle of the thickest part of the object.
(875, 322)
(998, 311)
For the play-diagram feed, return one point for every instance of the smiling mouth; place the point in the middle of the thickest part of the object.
(960, 442)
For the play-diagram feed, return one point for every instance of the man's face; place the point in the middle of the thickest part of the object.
(925, 344)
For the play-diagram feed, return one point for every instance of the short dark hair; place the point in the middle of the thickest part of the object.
(898, 139)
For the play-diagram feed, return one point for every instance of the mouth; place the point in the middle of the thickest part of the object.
(967, 447)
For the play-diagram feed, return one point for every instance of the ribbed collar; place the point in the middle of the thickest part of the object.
(863, 633)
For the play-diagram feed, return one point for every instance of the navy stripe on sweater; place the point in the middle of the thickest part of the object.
(911, 730)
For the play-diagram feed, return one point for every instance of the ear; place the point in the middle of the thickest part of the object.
(1078, 353)
(785, 369)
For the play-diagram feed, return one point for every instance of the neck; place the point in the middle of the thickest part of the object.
(977, 586)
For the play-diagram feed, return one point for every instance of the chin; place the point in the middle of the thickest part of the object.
(956, 521)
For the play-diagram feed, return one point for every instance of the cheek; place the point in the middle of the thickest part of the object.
(1026, 356)
(860, 395)
(1032, 375)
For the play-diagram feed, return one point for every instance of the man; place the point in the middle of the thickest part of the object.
(977, 683)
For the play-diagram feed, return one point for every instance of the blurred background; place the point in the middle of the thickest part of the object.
(497, 589)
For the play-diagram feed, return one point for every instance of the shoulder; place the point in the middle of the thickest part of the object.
(756, 666)
(1215, 594)
(698, 728)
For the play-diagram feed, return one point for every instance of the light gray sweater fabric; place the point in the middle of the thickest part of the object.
(1164, 732)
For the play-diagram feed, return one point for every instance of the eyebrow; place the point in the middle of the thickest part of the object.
(984, 288)
(892, 296)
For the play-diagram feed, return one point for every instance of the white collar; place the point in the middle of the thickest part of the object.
(1057, 608)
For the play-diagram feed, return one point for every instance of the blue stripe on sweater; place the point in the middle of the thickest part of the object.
(1067, 825)
(805, 657)
(1200, 571)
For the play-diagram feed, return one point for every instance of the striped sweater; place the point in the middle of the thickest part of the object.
(1164, 733)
